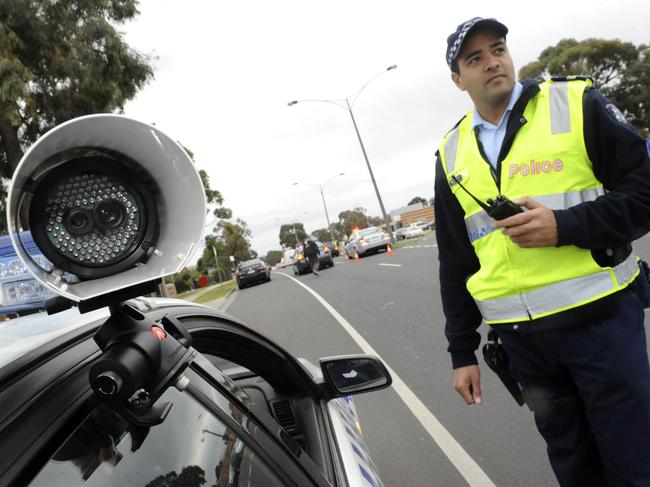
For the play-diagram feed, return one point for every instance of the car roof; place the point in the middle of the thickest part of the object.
(26, 343)
(22, 335)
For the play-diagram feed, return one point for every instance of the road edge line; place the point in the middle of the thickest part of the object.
(464, 463)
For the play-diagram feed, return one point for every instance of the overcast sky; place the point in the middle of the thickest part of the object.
(224, 72)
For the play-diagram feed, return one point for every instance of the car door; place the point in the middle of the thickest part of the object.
(57, 434)
(327, 431)
(204, 440)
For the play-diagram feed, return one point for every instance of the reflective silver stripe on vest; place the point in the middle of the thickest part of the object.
(480, 224)
(557, 296)
(562, 201)
(451, 147)
(560, 116)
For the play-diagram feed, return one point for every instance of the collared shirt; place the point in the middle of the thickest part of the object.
(491, 136)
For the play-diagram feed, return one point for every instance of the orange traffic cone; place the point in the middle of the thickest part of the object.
(356, 257)
(389, 249)
(347, 259)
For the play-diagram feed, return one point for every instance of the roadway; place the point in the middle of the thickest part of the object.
(419, 431)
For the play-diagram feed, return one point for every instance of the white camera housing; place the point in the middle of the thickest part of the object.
(179, 196)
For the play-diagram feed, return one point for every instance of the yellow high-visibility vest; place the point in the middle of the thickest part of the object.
(548, 161)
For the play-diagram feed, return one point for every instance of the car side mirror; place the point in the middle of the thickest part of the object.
(354, 374)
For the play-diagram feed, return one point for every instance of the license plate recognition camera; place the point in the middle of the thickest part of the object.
(110, 201)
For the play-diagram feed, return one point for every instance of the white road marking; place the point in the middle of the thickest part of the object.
(391, 265)
(465, 464)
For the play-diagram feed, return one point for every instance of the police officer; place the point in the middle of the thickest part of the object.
(557, 281)
(311, 254)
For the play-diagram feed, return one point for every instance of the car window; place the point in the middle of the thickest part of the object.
(191, 448)
(250, 263)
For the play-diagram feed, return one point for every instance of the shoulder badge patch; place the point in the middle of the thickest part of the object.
(615, 113)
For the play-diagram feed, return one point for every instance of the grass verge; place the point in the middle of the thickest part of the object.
(406, 242)
(410, 241)
(218, 292)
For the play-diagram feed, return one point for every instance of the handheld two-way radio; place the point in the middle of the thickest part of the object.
(498, 208)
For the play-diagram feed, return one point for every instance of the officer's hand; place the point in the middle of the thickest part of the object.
(536, 227)
(467, 381)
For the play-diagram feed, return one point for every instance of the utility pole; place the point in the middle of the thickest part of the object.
(216, 263)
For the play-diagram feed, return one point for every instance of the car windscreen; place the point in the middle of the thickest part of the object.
(250, 263)
(105, 450)
(370, 231)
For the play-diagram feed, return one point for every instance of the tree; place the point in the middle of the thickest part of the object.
(236, 240)
(322, 234)
(231, 239)
(357, 218)
(338, 232)
(214, 198)
(190, 476)
(376, 221)
(273, 257)
(418, 199)
(187, 279)
(291, 233)
(60, 60)
(619, 69)
(219, 270)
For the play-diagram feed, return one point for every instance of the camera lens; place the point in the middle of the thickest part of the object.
(91, 219)
(78, 221)
(109, 214)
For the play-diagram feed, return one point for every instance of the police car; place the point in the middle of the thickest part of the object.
(238, 409)
(109, 388)
(20, 293)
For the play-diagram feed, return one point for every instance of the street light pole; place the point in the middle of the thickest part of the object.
(348, 107)
(327, 217)
(372, 176)
(322, 195)
(216, 263)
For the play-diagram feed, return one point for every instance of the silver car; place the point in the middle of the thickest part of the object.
(367, 241)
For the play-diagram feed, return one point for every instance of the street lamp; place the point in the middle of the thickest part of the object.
(349, 103)
(322, 195)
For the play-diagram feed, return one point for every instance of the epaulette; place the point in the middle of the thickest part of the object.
(576, 77)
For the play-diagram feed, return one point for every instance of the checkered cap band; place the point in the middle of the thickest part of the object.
(452, 51)
(455, 40)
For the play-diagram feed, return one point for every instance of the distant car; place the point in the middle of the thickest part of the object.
(414, 230)
(287, 258)
(367, 241)
(301, 266)
(399, 233)
(20, 293)
(430, 226)
(251, 272)
(334, 248)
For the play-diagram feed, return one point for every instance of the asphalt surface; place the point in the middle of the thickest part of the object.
(393, 303)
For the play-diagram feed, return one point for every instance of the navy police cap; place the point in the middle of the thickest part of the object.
(455, 40)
